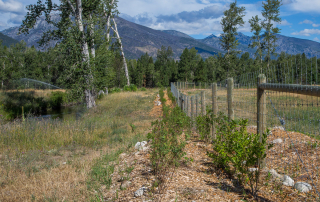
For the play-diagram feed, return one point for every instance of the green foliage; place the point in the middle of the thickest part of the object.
(271, 13)
(56, 99)
(167, 145)
(143, 89)
(204, 123)
(236, 150)
(115, 90)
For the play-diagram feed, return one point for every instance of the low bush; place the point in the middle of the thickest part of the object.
(167, 145)
(143, 89)
(236, 150)
(57, 99)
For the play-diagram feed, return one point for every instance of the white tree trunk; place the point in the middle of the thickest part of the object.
(89, 94)
(122, 53)
(108, 15)
(93, 50)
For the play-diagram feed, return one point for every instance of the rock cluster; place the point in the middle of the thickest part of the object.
(288, 181)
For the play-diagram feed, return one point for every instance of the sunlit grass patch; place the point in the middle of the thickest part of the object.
(62, 152)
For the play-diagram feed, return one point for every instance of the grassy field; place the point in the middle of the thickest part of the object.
(53, 160)
(300, 112)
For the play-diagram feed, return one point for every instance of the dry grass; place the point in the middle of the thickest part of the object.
(61, 171)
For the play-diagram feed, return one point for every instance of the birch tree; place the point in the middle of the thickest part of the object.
(68, 32)
(110, 13)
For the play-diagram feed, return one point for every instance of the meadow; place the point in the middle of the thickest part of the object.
(48, 160)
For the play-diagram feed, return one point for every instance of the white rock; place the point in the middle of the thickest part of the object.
(274, 173)
(278, 127)
(143, 143)
(303, 187)
(138, 145)
(253, 169)
(64, 163)
(287, 181)
(141, 146)
(140, 191)
(277, 141)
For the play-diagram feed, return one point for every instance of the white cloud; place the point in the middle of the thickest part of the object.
(306, 22)
(285, 23)
(315, 25)
(305, 5)
(11, 6)
(316, 39)
(307, 32)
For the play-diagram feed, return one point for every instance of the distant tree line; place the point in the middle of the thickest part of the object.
(19, 61)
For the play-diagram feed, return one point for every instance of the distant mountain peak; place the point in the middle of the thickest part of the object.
(211, 36)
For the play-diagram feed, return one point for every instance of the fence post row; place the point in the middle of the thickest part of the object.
(192, 108)
(197, 106)
(188, 99)
(230, 99)
(203, 110)
(261, 110)
(214, 107)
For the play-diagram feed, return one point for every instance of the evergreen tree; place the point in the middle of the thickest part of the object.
(256, 28)
(233, 17)
(271, 13)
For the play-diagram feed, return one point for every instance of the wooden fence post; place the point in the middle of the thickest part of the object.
(214, 107)
(203, 104)
(261, 111)
(197, 106)
(187, 108)
(192, 108)
(200, 85)
(230, 99)
(194, 85)
(178, 98)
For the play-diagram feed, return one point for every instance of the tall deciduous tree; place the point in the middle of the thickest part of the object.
(233, 17)
(76, 31)
(271, 13)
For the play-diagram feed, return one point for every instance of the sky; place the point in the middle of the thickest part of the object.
(197, 18)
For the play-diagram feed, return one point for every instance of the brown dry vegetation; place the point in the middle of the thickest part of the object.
(68, 174)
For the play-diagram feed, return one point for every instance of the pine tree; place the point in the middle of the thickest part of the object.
(233, 17)
(271, 13)
(256, 28)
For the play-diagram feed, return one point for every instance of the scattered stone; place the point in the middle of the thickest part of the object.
(125, 185)
(274, 173)
(140, 191)
(64, 163)
(253, 169)
(303, 187)
(276, 141)
(287, 181)
(270, 132)
(158, 95)
(278, 127)
(158, 103)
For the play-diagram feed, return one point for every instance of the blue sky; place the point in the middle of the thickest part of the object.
(198, 18)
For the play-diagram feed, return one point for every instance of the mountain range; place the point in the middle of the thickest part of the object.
(138, 39)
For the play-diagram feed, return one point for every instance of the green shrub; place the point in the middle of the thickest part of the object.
(143, 89)
(236, 150)
(133, 88)
(167, 149)
(56, 99)
(115, 90)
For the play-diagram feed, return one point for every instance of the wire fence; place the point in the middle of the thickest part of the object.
(290, 111)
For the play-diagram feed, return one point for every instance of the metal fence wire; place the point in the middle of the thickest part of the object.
(291, 113)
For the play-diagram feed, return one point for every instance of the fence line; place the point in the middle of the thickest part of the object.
(290, 111)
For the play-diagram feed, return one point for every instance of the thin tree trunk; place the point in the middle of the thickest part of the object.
(122, 53)
(108, 15)
(89, 94)
(93, 50)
